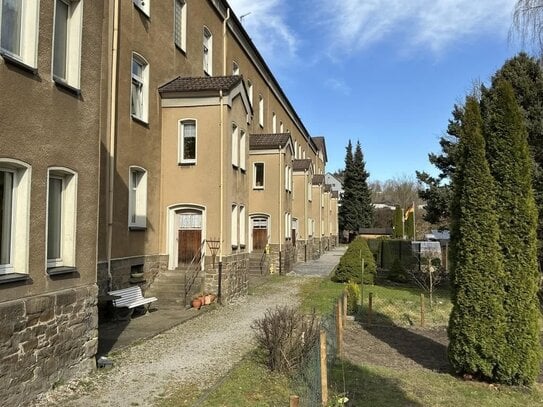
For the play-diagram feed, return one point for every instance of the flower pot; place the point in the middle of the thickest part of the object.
(196, 303)
(207, 299)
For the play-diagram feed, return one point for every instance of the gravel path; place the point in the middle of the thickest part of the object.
(144, 371)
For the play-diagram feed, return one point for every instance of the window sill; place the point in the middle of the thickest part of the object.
(57, 271)
(65, 85)
(186, 163)
(140, 120)
(258, 188)
(17, 62)
(137, 228)
(180, 49)
(142, 10)
(13, 278)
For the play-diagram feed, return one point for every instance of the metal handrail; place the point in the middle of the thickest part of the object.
(263, 258)
(190, 279)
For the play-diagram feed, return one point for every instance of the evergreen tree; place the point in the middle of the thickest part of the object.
(511, 166)
(409, 226)
(398, 223)
(361, 189)
(348, 213)
(477, 322)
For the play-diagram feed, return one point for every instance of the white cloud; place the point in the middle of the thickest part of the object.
(266, 24)
(432, 24)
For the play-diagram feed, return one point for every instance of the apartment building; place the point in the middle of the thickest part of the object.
(50, 74)
(197, 172)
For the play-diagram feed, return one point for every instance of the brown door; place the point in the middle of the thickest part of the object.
(188, 245)
(260, 236)
(294, 237)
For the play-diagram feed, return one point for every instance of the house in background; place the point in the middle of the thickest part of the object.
(51, 64)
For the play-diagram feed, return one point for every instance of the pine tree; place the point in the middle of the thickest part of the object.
(361, 189)
(511, 166)
(348, 213)
(398, 223)
(477, 322)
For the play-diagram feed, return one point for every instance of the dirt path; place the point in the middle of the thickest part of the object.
(145, 371)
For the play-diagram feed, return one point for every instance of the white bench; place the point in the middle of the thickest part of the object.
(130, 298)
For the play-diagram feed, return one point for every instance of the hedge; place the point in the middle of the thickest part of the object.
(350, 264)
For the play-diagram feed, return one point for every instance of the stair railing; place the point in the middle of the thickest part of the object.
(193, 270)
(264, 258)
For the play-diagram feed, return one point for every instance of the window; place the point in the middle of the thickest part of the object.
(19, 30)
(250, 91)
(309, 192)
(242, 227)
(187, 142)
(242, 150)
(274, 123)
(258, 182)
(143, 5)
(300, 152)
(281, 128)
(303, 154)
(286, 178)
(137, 198)
(140, 88)
(295, 149)
(180, 24)
(234, 226)
(14, 216)
(290, 179)
(208, 52)
(235, 146)
(61, 217)
(67, 42)
(235, 68)
(261, 111)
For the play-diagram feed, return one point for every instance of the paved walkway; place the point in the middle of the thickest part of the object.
(321, 267)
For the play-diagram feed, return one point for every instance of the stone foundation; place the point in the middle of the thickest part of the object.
(44, 340)
(288, 258)
(234, 281)
(126, 272)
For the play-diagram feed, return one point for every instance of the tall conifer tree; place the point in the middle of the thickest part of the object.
(477, 322)
(361, 189)
(511, 166)
(348, 213)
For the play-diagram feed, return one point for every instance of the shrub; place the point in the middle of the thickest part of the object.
(397, 272)
(350, 264)
(354, 295)
(287, 336)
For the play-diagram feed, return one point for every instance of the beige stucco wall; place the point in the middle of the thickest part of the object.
(44, 125)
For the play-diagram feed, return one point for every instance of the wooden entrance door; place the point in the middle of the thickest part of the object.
(260, 233)
(188, 245)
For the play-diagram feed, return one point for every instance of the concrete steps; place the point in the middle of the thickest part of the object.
(257, 265)
(169, 288)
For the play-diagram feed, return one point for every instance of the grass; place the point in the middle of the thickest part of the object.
(377, 386)
(320, 294)
(249, 384)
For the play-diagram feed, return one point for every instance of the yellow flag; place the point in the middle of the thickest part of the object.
(409, 210)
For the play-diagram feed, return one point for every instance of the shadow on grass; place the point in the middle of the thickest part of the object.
(366, 387)
(414, 345)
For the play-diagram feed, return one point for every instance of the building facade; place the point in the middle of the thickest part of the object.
(50, 75)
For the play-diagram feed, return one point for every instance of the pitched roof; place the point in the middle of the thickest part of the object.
(321, 145)
(335, 194)
(268, 141)
(204, 83)
(327, 187)
(301, 165)
(318, 179)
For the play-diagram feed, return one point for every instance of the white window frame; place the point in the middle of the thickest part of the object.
(242, 150)
(144, 6)
(309, 191)
(295, 149)
(235, 68)
(255, 186)
(137, 198)
(286, 177)
(290, 179)
(72, 47)
(68, 217)
(180, 24)
(28, 35)
(235, 145)
(234, 227)
(143, 82)
(281, 127)
(274, 122)
(181, 148)
(19, 221)
(250, 91)
(207, 45)
(242, 226)
(260, 110)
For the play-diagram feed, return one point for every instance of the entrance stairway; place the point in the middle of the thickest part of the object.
(258, 264)
(169, 288)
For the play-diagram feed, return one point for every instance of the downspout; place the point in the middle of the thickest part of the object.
(306, 229)
(280, 219)
(224, 41)
(112, 138)
(221, 199)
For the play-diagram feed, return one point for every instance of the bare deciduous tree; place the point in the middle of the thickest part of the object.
(528, 22)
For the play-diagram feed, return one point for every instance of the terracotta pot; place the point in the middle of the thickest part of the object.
(196, 303)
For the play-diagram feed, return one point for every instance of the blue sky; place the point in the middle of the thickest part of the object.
(385, 72)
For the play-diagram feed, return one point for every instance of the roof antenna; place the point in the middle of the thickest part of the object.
(243, 16)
